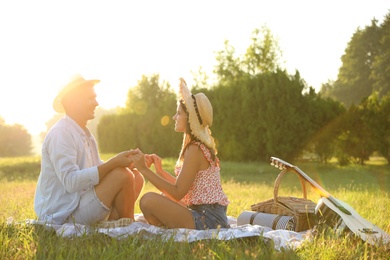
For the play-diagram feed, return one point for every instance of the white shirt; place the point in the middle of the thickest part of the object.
(69, 168)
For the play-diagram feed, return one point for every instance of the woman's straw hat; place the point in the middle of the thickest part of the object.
(200, 114)
(76, 82)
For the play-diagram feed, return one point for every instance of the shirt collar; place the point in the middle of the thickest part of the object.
(76, 126)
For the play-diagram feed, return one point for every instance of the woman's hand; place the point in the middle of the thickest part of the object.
(157, 162)
(148, 160)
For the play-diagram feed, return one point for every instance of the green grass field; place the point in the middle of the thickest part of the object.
(365, 188)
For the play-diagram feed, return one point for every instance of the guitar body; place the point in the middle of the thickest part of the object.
(327, 212)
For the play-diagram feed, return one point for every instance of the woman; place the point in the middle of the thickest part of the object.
(193, 199)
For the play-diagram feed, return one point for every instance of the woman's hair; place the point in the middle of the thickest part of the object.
(188, 137)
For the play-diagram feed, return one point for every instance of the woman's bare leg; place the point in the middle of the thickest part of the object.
(159, 210)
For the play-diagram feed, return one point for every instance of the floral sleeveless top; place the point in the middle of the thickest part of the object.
(206, 188)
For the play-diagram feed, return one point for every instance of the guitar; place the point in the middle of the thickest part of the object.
(337, 213)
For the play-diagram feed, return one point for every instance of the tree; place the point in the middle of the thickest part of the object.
(228, 126)
(229, 66)
(356, 136)
(354, 81)
(238, 100)
(285, 120)
(146, 121)
(201, 79)
(261, 110)
(365, 65)
(14, 140)
(383, 127)
(264, 54)
(378, 118)
(381, 66)
(324, 115)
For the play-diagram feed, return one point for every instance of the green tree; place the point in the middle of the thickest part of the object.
(365, 65)
(238, 102)
(356, 136)
(229, 67)
(264, 54)
(383, 126)
(286, 121)
(146, 121)
(14, 140)
(324, 115)
(261, 110)
(354, 81)
(378, 118)
(381, 66)
(228, 127)
(201, 79)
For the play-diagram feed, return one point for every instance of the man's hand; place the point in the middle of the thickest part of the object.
(138, 158)
(123, 159)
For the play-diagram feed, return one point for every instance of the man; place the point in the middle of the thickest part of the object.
(75, 185)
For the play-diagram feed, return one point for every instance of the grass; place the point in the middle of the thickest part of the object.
(365, 188)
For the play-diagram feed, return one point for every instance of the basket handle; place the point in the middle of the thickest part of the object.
(279, 179)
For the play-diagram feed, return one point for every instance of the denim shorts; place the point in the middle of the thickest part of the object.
(90, 210)
(209, 216)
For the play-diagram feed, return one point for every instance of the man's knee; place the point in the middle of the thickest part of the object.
(122, 175)
(139, 179)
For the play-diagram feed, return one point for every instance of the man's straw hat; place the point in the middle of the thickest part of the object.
(76, 82)
(200, 113)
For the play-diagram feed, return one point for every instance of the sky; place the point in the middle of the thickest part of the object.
(44, 43)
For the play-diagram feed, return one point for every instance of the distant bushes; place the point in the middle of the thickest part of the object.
(20, 168)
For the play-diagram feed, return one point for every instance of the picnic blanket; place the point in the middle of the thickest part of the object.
(282, 239)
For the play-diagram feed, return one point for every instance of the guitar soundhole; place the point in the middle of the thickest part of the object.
(328, 216)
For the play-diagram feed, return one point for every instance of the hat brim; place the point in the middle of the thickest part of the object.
(201, 132)
(57, 103)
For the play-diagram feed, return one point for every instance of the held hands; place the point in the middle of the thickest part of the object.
(138, 158)
(142, 160)
(154, 159)
(123, 159)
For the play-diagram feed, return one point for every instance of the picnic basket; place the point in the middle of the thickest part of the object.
(302, 209)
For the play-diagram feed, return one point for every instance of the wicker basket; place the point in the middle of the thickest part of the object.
(301, 209)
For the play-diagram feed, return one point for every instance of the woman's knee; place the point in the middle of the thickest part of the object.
(147, 200)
